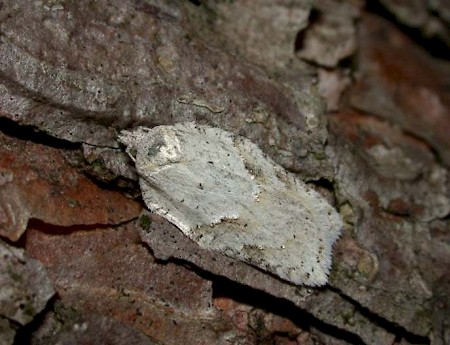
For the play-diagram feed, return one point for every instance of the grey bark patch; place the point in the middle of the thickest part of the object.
(224, 193)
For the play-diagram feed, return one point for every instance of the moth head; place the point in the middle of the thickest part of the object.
(158, 146)
(162, 147)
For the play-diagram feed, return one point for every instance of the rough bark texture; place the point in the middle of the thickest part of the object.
(351, 97)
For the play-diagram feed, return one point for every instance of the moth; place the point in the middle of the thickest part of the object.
(225, 194)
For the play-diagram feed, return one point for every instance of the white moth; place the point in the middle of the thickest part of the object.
(225, 194)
